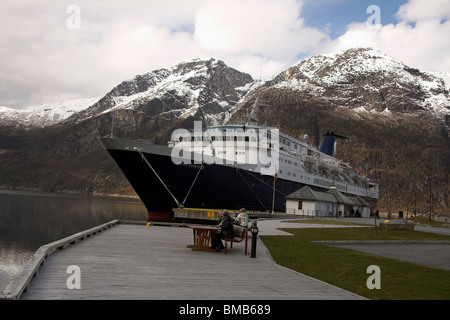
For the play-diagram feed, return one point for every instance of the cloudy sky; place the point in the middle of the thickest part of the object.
(54, 50)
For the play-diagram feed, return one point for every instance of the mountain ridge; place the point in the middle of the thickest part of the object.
(150, 84)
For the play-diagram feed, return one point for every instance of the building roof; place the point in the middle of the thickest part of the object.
(306, 193)
(332, 196)
(359, 201)
(340, 197)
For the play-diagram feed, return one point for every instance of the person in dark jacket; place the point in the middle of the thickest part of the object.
(226, 231)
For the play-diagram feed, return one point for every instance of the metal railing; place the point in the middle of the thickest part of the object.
(21, 281)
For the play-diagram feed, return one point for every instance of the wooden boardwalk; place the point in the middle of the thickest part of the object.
(139, 262)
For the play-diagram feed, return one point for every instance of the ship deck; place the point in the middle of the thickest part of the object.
(130, 261)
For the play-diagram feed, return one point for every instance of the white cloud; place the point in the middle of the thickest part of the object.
(419, 10)
(420, 39)
(268, 27)
(43, 61)
(255, 32)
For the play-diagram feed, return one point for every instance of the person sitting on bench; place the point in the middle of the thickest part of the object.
(242, 218)
(226, 231)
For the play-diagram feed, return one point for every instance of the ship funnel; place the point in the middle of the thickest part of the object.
(328, 144)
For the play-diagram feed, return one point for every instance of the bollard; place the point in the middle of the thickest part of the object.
(254, 238)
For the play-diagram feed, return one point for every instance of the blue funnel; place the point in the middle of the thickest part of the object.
(328, 144)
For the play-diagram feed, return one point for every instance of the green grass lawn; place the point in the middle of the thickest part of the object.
(347, 268)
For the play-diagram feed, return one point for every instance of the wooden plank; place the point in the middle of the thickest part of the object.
(138, 262)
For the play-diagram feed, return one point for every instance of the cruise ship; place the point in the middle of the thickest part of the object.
(232, 166)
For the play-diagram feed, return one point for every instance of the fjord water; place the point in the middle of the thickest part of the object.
(29, 220)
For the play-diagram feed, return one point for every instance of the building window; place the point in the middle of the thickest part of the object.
(300, 205)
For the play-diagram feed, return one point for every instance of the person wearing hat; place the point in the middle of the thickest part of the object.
(226, 231)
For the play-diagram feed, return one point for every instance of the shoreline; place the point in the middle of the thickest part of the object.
(62, 194)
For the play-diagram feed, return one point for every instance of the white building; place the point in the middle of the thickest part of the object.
(307, 202)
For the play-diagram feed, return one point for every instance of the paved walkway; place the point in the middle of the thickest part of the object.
(271, 227)
(431, 255)
(138, 262)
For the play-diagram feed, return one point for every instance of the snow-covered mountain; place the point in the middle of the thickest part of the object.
(367, 80)
(182, 89)
(362, 79)
(45, 114)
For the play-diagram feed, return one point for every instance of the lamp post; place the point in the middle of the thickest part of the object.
(255, 231)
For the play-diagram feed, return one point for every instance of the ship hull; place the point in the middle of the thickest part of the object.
(163, 185)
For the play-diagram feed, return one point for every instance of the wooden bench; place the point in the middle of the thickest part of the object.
(240, 234)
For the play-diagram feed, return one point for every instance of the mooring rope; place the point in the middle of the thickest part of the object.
(156, 174)
(179, 204)
(251, 189)
(201, 168)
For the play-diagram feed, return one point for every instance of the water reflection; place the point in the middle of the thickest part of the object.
(29, 220)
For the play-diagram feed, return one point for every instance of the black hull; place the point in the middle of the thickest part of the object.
(216, 186)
